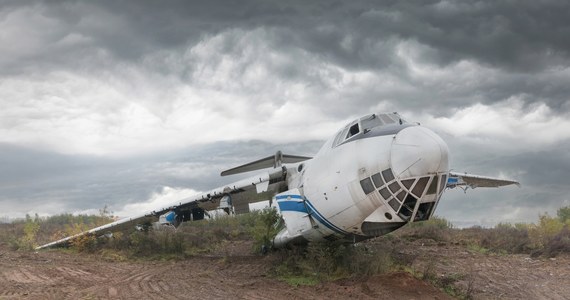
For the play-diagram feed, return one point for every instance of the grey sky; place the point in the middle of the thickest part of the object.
(124, 102)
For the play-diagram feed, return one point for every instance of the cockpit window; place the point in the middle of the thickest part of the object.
(365, 124)
(353, 130)
(371, 122)
(348, 132)
(386, 119)
(376, 120)
(341, 137)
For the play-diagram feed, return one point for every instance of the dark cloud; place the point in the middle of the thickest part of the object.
(252, 59)
(527, 43)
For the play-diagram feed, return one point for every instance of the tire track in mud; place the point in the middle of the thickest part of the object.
(26, 275)
(152, 281)
(29, 282)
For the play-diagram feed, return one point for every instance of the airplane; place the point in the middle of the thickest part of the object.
(376, 174)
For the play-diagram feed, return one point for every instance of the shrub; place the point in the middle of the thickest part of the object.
(436, 228)
(330, 260)
(541, 233)
(560, 243)
(28, 241)
(506, 238)
(563, 214)
(86, 242)
(265, 227)
(155, 243)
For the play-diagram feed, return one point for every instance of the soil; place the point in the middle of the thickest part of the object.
(235, 273)
(493, 276)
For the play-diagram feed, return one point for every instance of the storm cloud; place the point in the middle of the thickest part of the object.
(112, 101)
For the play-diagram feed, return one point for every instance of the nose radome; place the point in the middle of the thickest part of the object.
(418, 151)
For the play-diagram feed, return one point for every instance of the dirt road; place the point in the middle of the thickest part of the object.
(231, 275)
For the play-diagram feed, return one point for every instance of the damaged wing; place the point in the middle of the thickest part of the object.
(269, 182)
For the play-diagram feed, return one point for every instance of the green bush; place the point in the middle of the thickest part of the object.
(331, 260)
(505, 238)
(563, 214)
(265, 227)
(560, 243)
(436, 228)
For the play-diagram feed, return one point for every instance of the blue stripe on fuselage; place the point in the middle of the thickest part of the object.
(285, 204)
(288, 205)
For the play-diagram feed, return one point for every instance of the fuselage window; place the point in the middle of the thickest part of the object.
(394, 204)
(420, 186)
(401, 196)
(433, 186)
(388, 176)
(367, 186)
(394, 187)
(408, 183)
(385, 194)
(377, 180)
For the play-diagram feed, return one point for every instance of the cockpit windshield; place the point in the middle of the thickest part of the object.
(366, 124)
(376, 120)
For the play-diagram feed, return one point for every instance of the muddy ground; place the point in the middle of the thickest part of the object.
(236, 274)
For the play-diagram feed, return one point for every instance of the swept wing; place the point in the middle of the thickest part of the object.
(464, 180)
(270, 181)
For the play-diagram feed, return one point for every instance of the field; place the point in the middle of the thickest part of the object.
(203, 260)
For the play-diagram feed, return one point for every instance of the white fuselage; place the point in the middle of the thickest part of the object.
(366, 185)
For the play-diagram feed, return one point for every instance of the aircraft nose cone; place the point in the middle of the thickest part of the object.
(418, 151)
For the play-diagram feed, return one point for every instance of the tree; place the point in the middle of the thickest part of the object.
(105, 213)
(563, 214)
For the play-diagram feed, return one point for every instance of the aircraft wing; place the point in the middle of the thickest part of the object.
(266, 182)
(464, 180)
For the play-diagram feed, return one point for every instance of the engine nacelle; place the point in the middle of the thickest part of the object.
(168, 218)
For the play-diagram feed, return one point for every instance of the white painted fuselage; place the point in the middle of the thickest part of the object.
(364, 183)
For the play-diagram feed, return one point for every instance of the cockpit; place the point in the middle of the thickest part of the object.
(388, 123)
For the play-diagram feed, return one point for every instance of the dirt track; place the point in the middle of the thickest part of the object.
(59, 275)
(63, 275)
